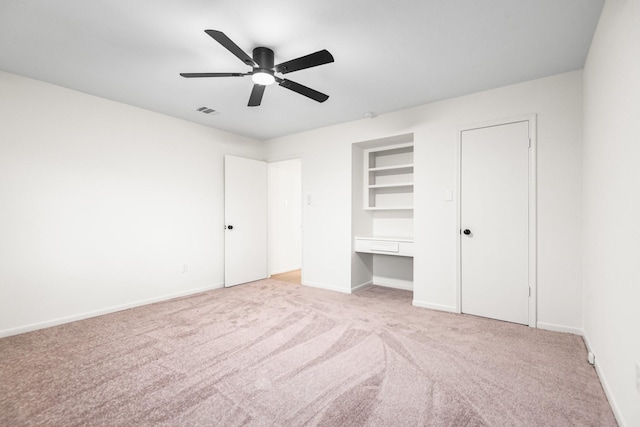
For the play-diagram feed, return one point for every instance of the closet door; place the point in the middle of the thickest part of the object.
(495, 222)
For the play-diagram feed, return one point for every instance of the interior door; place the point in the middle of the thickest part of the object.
(245, 215)
(494, 215)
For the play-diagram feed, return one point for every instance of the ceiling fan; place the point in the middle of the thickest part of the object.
(263, 71)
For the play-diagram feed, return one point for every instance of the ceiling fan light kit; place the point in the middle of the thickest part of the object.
(263, 69)
(263, 78)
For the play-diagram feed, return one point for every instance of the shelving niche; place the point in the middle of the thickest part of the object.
(382, 212)
(388, 181)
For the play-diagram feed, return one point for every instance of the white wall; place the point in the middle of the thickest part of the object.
(285, 215)
(361, 222)
(612, 204)
(326, 155)
(102, 204)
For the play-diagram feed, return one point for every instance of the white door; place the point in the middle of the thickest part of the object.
(245, 216)
(494, 214)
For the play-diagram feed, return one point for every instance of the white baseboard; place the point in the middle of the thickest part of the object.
(560, 328)
(396, 285)
(327, 287)
(604, 383)
(440, 307)
(67, 319)
(361, 286)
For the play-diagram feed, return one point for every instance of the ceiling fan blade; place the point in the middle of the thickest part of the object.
(256, 95)
(189, 75)
(303, 90)
(225, 41)
(307, 61)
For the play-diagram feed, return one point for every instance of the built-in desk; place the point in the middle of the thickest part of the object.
(396, 246)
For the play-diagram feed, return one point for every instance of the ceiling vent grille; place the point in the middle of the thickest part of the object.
(207, 110)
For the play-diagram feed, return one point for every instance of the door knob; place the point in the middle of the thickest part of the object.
(467, 232)
(229, 227)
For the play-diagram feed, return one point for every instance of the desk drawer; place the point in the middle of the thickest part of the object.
(384, 247)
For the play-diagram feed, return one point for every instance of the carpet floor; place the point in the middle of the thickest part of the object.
(270, 353)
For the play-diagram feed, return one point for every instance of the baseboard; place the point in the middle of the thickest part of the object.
(400, 286)
(604, 383)
(432, 306)
(560, 328)
(67, 319)
(327, 287)
(361, 286)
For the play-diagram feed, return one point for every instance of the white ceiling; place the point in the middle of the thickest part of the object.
(389, 55)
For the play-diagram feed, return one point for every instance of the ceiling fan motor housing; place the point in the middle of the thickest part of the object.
(263, 57)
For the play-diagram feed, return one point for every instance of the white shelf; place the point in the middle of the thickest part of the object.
(392, 168)
(402, 184)
(388, 180)
(386, 238)
(395, 208)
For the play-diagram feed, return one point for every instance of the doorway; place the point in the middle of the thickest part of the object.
(497, 221)
(285, 220)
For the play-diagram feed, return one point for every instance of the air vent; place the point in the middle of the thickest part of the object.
(207, 110)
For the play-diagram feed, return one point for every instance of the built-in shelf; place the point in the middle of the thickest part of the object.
(397, 169)
(382, 218)
(388, 177)
(395, 208)
(403, 184)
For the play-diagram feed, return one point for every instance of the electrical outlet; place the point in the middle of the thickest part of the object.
(185, 268)
(638, 376)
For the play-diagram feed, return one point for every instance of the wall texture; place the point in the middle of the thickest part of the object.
(612, 204)
(102, 204)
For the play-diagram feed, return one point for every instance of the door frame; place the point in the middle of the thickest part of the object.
(303, 202)
(533, 234)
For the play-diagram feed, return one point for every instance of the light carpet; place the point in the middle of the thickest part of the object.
(270, 353)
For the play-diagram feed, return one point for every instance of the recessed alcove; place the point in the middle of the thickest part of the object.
(382, 212)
